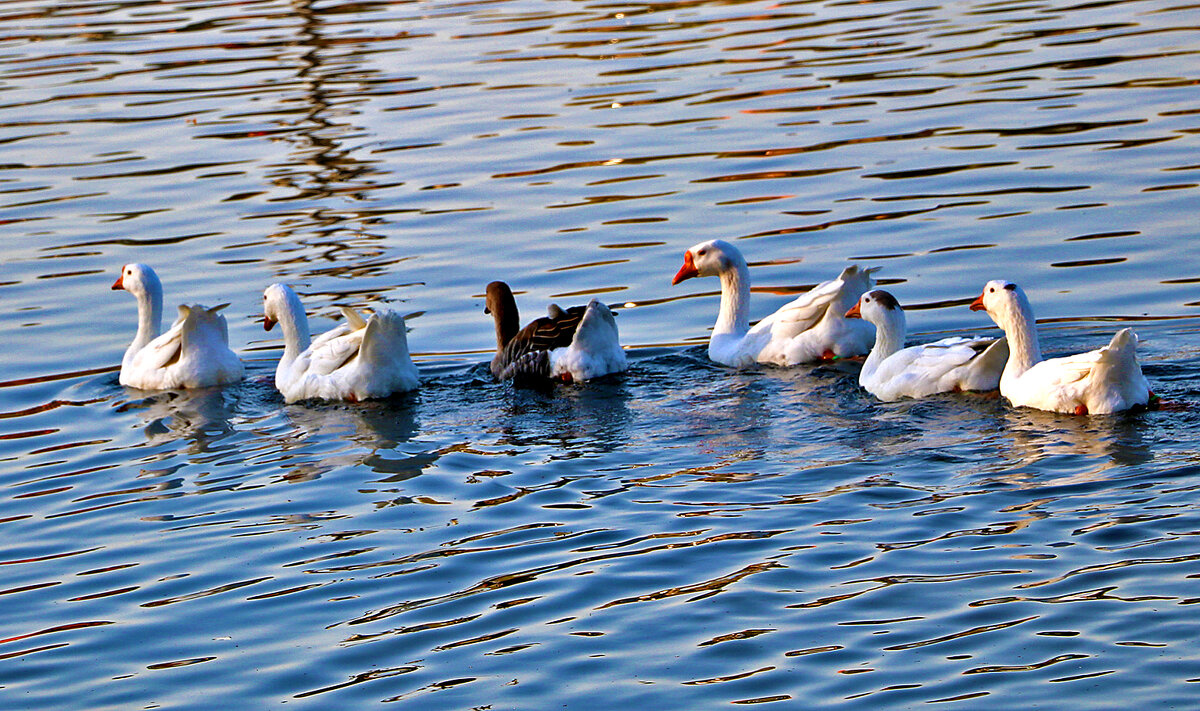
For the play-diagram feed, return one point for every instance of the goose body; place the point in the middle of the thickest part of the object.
(811, 328)
(892, 372)
(1102, 381)
(358, 359)
(194, 351)
(578, 343)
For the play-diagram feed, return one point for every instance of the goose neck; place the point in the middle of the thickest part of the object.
(501, 304)
(1023, 348)
(294, 322)
(507, 325)
(150, 305)
(890, 332)
(734, 316)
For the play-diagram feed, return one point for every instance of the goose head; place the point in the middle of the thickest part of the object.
(497, 298)
(876, 306)
(277, 301)
(999, 297)
(138, 279)
(710, 258)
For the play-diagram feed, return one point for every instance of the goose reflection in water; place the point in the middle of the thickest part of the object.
(368, 432)
(377, 424)
(202, 415)
(1028, 441)
(580, 419)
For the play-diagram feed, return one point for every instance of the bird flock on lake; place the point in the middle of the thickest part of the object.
(366, 357)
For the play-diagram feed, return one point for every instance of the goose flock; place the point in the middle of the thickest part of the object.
(363, 358)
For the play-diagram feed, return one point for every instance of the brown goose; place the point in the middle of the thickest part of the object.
(578, 343)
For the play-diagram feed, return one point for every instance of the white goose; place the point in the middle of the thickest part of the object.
(811, 328)
(193, 353)
(356, 360)
(577, 344)
(892, 371)
(1101, 381)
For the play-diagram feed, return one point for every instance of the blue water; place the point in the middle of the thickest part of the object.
(681, 536)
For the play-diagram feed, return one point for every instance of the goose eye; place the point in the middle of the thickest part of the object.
(702, 252)
(1010, 287)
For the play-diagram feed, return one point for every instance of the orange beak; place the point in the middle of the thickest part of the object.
(854, 312)
(118, 284)
(268, 323)
(977, 304)
(687, 271)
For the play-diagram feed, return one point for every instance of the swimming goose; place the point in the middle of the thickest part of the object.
(892, 371)
(1105, 380)
(356, 360)
(193, 353)
(811, 328)
(576, 344)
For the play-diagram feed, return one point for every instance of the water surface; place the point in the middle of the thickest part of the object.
(681, 536)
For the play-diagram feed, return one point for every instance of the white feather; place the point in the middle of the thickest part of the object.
(811, 328)
(1102, 381)
(892, 371)
(193, 353)
(356, 360)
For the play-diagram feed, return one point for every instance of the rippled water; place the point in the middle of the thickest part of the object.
(682, 536)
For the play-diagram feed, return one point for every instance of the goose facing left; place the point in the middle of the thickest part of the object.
(193, 353)
(892, 372)
(811, 328)
(358, 359)
(1100, 381)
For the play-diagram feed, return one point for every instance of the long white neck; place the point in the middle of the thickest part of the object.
(1023, 349)
(891, 328)
(294, 322)
(149, 302)
(734, 316)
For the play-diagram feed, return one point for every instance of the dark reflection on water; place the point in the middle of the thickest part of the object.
(680, 535)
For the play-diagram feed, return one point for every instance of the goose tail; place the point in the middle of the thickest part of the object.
(1118, 376)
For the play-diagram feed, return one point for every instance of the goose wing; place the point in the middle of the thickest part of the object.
(385, 338)
(165, 350)
(809, 308)
(337, 346)
(545, 333)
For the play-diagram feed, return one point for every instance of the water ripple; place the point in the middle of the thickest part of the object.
(681, 532)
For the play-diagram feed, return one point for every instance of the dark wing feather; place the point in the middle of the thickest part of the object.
(545, 334)
(528, 369)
